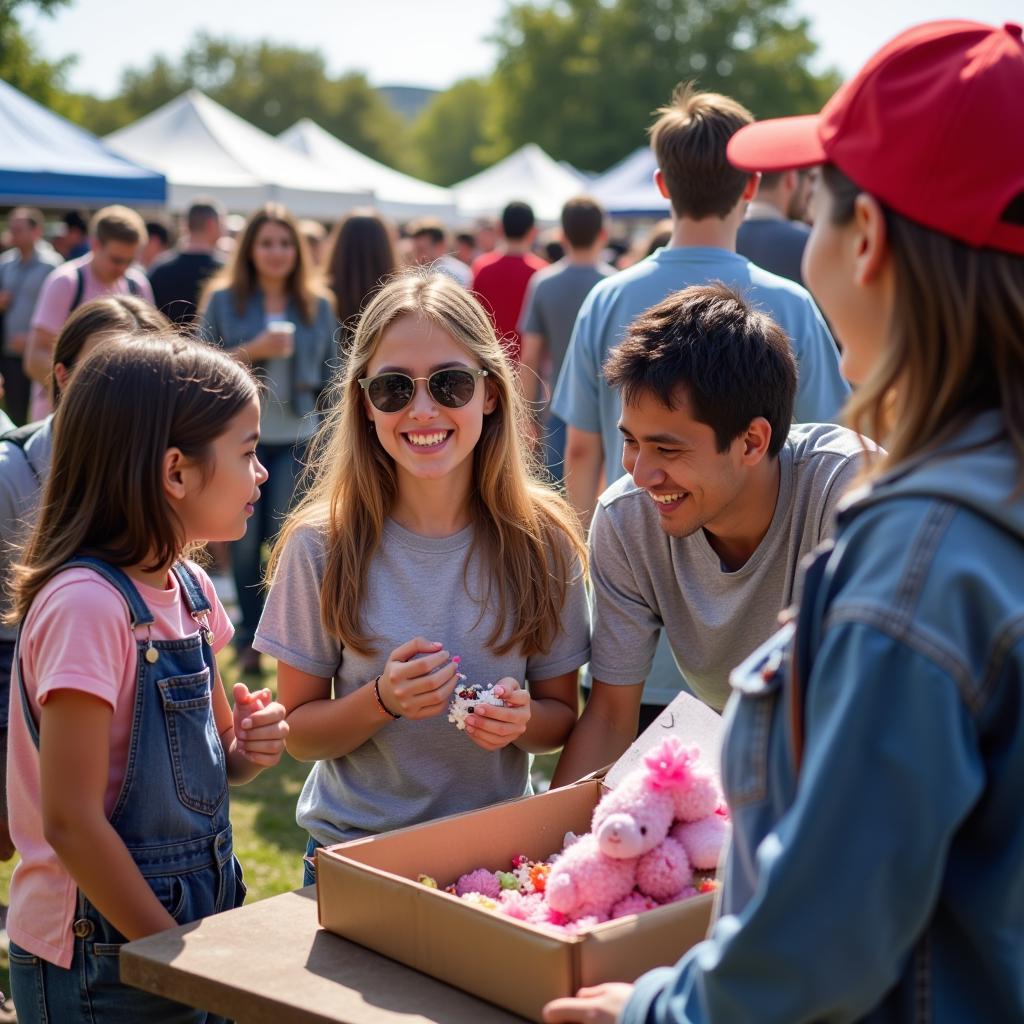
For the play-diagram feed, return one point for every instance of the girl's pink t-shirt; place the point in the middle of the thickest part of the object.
(77, 636)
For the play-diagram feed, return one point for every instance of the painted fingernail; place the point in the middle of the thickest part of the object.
(457, 658)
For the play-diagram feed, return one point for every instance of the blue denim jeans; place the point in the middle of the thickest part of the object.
(309, 868)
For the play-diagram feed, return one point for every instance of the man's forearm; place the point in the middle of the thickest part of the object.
(38, 358)
(599, 738)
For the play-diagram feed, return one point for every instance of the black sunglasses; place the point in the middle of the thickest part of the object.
(393, 391)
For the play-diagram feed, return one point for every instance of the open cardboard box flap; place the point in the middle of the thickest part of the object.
(367, 891)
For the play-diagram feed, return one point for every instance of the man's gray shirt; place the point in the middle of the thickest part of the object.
(645, 581)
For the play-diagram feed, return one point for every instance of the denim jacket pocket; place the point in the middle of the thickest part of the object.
(757, 686)
(197, 757)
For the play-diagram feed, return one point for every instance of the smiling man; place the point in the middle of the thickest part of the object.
(723, 499)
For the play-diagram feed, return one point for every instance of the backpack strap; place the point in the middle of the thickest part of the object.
(79, 290)
(134, 288)
(20, 437)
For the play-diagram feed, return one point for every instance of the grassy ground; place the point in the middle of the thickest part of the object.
(267, 841)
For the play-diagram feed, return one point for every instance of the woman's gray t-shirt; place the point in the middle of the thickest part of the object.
(409, 771)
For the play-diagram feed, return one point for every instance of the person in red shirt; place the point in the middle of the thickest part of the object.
(500, 277)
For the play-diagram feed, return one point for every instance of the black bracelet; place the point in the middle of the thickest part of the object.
(380, 700)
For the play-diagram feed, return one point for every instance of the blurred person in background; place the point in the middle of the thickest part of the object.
(23, 269)
(773, 234)
(116, 234)
(486, 234)
(500, 277)
(25, 464)
(315, 235)
(268, 309)
(158, 241)
(72, 237)
(465, 247)
(360, 258)
(178, 278)
(553, 298)
(430, 248)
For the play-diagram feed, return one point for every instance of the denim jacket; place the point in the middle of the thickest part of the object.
(883, 879)
(314, 355)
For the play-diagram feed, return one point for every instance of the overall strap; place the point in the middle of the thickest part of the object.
(137, 609)
(30, 722)
(194, 596)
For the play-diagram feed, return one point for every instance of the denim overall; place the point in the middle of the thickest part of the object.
(171, 813)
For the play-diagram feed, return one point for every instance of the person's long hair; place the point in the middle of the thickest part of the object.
(130, 400)
(955, 346)
(531, 539)
(109, 314)
(239, 275)
(361, 258)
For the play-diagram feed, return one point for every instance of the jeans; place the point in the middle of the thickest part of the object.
(283, 463)
(308, 869)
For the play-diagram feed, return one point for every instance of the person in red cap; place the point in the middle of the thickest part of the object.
(874, 758)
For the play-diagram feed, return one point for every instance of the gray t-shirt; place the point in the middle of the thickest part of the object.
(410, 771)
(644, 580)
(553, 298)
(22, 474)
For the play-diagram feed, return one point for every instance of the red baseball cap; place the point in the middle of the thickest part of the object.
(932, 126)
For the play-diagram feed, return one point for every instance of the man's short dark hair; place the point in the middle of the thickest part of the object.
(433, 229)
(202, 212)
(75, 221)
(159, 229)
(732, 362)
(517, 220)
(582, 222)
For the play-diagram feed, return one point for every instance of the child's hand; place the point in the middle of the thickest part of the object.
(493, 727)
(260, 728)
(418, 687)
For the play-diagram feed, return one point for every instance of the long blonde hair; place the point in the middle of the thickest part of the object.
(955, 345)
(531, 539)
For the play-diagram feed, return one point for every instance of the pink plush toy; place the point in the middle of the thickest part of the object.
(703, 840)
(628, 845)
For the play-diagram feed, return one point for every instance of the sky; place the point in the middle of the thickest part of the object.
(407, 42)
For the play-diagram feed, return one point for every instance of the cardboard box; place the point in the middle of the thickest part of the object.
(367, 891)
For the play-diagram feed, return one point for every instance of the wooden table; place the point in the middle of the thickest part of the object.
(304, 975)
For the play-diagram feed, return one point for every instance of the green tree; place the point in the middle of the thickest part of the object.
(267, 84)
(21, 65)
(582, 77)
(446, 142)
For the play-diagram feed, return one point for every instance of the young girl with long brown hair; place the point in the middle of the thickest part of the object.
(424, 549)
(122, 741)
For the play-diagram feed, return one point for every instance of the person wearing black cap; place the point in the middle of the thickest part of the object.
(874, 755)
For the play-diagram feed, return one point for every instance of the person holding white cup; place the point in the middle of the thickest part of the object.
(267, 308)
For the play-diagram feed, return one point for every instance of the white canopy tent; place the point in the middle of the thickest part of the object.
(528, 174)
(396, 195)
(628, 189)
(204, 149)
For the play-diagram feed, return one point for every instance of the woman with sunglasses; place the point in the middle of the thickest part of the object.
(874, 754)
(424, 551)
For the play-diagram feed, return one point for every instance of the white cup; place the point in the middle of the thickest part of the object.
(284, 327)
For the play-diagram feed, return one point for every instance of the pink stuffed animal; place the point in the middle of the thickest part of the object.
(629, 843)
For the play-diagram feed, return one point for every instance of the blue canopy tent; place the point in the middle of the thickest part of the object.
(48, 161)
(628, 190)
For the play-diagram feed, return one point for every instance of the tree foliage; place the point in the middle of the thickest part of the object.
(22, 67)
(446, 140)
(267, 84)
(582, 77)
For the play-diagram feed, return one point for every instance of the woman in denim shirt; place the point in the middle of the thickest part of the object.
(268, 309)
(874, 754)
